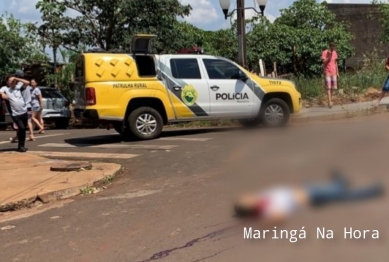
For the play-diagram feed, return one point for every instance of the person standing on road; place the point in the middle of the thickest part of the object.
(13, 93)
(385, 89)
(37, 106)
(26, 93)
(331, 71)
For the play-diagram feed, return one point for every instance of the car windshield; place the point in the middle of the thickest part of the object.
(51, 93)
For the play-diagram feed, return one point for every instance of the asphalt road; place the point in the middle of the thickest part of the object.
(173, 201)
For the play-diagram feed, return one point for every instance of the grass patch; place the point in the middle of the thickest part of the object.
(372, 75)
(108, 179)
(87, 190)
(351, 84)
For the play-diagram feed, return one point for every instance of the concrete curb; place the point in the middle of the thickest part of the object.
(59, 194)
(295, 119)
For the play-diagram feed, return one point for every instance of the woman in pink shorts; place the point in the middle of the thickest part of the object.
(331, 72)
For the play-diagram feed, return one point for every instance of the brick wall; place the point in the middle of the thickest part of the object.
(365, 26)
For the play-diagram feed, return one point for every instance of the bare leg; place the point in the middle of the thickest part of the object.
(42, 122)
(31, 129)
(329, 97)
(42, 131)
(382, 95)
(36, 118)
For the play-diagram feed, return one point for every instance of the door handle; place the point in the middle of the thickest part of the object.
(177, 88)
(215, 88)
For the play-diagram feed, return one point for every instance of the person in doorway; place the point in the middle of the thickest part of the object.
(275, 205)
(331, 71)
(385, 89)
(37, 106)
(18, 106)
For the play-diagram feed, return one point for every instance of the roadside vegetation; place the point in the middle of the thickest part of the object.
(359, 86)
(293, 42)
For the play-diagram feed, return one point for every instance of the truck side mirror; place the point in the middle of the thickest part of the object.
(242, 76)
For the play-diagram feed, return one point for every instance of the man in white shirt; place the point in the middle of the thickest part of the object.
(18, 106)
(26, 93)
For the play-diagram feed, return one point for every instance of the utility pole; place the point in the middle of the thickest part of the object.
(241, 24)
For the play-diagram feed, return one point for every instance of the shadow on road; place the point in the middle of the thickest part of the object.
(196, 131)
(116, 138)
(3, 150)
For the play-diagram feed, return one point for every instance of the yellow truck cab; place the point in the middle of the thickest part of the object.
(139, 93)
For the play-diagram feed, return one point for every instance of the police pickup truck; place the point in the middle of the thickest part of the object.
(139, 93)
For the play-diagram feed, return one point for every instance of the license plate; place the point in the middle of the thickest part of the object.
(53, 115)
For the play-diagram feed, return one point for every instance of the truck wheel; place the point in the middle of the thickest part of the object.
(275, 113)
(250, 123)
(145, 123)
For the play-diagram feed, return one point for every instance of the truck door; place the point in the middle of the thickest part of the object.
(188, 88)
(230, 95)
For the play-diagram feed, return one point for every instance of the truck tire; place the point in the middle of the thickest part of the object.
(145, 123)
(275, 113)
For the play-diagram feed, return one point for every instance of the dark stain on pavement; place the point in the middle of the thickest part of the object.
(214, 255)
(165, 253)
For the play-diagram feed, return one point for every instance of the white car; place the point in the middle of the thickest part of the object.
(55, 107)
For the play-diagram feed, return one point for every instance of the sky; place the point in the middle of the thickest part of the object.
(206, 14)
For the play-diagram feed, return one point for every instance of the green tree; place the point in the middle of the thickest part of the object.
(18, 45)
(50, 31)
(64, 77)
(110, 24)
(222, 43)
(188, 35)
(297, 38)
(383, 11)
(316, 26)
(63, 80)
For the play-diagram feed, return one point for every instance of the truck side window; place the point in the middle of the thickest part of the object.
(185, 68)
(221, 69)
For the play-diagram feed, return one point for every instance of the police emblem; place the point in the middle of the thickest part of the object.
(189, 95)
